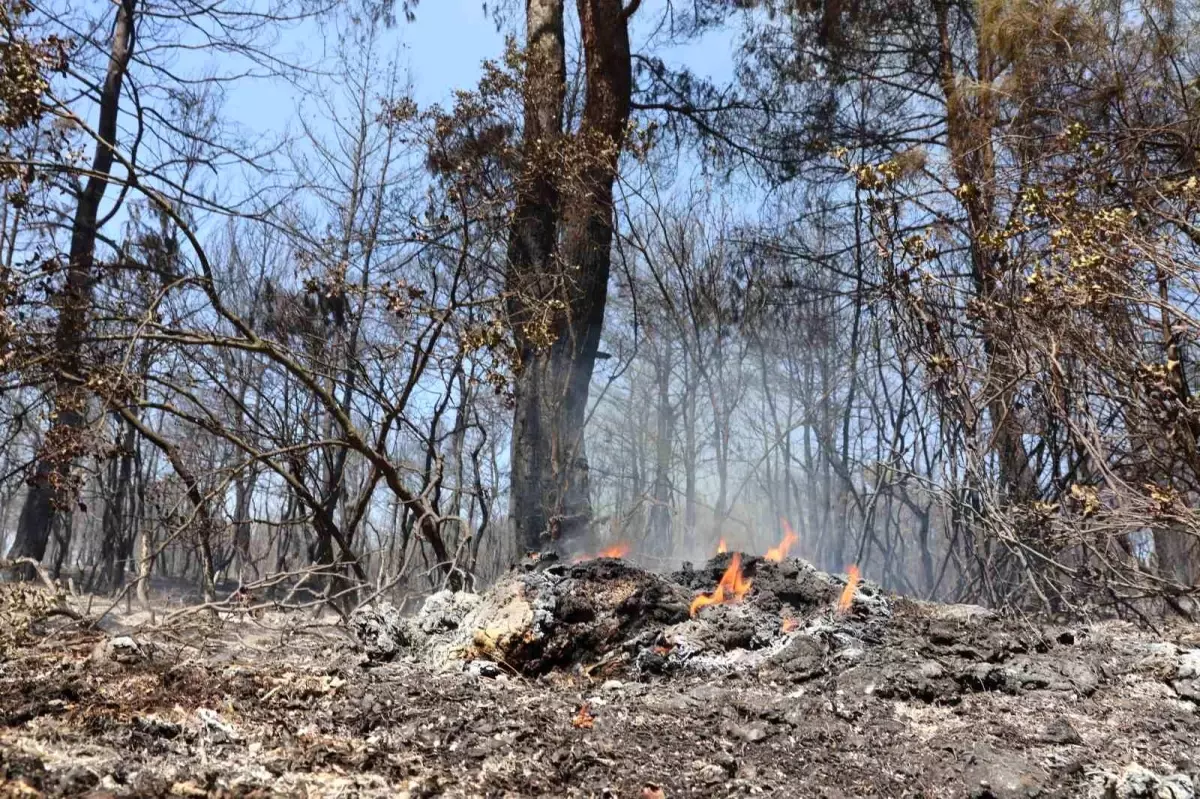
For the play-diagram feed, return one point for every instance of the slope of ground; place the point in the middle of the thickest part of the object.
(945, 702)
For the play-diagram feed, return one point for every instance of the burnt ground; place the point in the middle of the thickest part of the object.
(939, 701)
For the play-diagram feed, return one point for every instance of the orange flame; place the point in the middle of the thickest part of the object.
(732, 588)
(790, 623)
(584, 719)
(778, 553)
(847, 596)
(617, 550)
(722, 547)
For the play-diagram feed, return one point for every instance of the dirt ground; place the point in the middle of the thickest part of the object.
(948, 702)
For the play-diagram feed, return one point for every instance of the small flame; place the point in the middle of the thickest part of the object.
(617, 550)
(584, 719)
(790, 623)
(847, 596)
(732, 588)
(722, 547)
(778, 553)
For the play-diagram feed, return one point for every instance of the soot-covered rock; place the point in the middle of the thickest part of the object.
(799, 660)
(551, 616)
(575, 614)
(381, 631)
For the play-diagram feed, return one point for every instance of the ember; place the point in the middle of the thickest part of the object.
(778, 553)
(732, 588)
(847, 596)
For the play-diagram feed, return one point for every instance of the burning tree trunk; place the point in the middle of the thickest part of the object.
(559, 258)
(50, 488)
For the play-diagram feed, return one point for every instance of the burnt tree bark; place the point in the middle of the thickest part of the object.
(50, 488)
(660, 511)
(204, 522)
(558, 261)
(117, 543)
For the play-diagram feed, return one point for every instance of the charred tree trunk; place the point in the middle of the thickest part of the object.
(242, 526)
(1177, 551)
(530, 271)
(660, 511)
(204, 521)
(50, 489)
(117, 529)
(558, 262)
(690, 406)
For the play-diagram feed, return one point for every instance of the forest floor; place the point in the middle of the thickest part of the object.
(945, 703)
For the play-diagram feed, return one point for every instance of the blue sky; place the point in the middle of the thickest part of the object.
(442, 51)
(444, 47)
(450, 37)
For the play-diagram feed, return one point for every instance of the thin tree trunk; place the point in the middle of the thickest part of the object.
(690, 456)
(191, 483)
(660, 512)
(51, 490)
(113, 549)
(969, 140)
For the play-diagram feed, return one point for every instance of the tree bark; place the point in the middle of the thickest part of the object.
(660, 511)
(969, 131)
(116, 527)
(558, 263)
(50, 489)
(204, 521)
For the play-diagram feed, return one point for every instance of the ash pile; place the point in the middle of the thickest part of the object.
(606, 618)
(777, 619)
